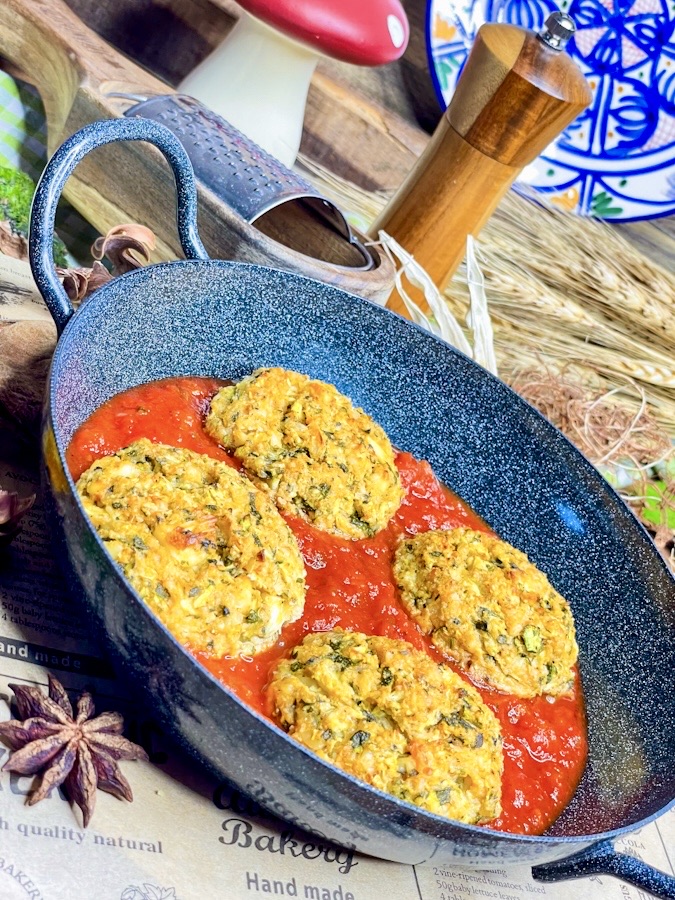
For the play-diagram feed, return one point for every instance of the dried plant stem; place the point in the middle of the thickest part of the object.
(594, 263)
(564, 290)
(559, 344)
(600, 422)
(588, 372)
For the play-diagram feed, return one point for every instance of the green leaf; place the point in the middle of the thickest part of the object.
(653, 511)
(16, 197)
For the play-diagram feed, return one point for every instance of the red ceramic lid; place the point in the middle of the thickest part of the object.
(364, 32)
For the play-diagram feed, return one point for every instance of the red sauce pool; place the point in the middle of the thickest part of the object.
(350, 586)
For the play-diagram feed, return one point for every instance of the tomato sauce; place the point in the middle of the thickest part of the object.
(350, 586)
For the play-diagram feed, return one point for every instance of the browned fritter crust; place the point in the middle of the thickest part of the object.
(320, 457)
(490, 609)
(207, 551)
(389, 715)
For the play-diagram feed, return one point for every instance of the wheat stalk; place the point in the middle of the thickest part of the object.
(563, 291)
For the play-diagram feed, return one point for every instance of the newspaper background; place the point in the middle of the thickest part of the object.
(19, 296)
(186, 837)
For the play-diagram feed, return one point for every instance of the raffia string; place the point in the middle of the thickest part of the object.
(606, 431)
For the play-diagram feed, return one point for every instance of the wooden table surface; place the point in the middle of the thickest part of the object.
(366, 125)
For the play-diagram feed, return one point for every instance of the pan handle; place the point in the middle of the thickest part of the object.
(58, 170)
(603, 859)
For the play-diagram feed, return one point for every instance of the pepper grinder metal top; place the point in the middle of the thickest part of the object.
(517, 92)
(557, 30)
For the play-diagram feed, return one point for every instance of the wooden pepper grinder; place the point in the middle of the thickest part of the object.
(517, 92)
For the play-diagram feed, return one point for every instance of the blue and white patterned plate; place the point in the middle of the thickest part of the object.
(617, 160)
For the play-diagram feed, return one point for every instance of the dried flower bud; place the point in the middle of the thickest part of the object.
(127, 247)
(12, 508)
(80, 283)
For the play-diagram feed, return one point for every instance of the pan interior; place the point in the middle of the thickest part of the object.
(515, 470)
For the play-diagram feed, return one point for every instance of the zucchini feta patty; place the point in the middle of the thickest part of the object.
(490, 609)
(389, 715)
(321, 458)
(207, 551)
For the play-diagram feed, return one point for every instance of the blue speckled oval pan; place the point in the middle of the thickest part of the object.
(200, 317)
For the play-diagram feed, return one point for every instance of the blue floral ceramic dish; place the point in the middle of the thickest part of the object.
(617, 160)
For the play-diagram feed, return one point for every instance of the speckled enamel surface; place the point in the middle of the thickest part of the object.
(517, 471)
(525, 479)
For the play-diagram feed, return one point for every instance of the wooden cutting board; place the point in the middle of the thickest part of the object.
(78, 74)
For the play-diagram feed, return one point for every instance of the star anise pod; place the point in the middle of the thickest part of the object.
(69, 748)
(12, 509)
